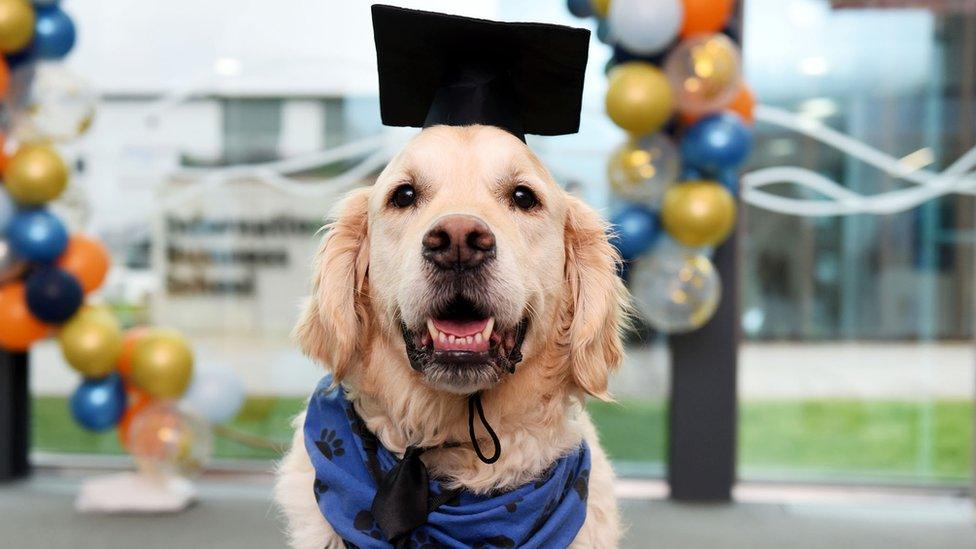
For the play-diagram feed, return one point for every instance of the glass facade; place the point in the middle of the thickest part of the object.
(857, 361)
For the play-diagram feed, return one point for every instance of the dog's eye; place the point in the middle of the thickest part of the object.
(524, 198)
(403, 196)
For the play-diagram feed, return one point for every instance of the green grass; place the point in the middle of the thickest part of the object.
(843, 437)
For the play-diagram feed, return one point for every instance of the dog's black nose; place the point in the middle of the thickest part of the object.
(459, 242)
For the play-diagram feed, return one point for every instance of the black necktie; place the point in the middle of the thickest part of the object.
(402, 500)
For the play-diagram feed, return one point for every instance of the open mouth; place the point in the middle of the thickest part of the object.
(462, 348)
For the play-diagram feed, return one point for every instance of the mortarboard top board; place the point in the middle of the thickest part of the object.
(526, 78)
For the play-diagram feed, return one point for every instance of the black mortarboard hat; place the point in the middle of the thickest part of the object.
(445, 69)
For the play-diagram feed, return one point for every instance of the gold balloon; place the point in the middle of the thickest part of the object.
(639, 97)
(91, 342)
(36, 174)
(698, 213)
(16, 25)
(100, 311)
(600, 7)
(705, 71)
(162, 364)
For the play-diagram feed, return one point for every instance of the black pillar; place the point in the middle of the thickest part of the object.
(702, 416)
(14, 416)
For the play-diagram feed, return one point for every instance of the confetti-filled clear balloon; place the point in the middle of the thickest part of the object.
(167, 442)
(61, 105)
(641, 170)
(704, 71)
(677, 290)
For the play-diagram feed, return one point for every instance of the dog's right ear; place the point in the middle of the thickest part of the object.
(330, 328)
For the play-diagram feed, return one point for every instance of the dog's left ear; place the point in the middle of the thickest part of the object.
(597, 303)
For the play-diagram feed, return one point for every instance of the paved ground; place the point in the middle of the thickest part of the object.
(236, 513)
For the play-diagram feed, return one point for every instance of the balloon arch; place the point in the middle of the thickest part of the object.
(675, 86)
(131, 379)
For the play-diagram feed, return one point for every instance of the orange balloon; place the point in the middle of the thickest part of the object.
(742, 105)
(4, 157)
(138, 401)
(18, 327)
(4, 78)
(87, 259)
(705, 16)
(129, 340)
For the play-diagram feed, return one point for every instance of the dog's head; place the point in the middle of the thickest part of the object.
(465, 256)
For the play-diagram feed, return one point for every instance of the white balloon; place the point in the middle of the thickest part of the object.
(216, 393)
(645, 27)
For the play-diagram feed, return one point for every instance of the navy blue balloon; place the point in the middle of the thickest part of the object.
(98, 404)
(622, 55)
(635, 228)
(689, 173)
(37, 235)
(716, 143)
(21, 58)
(53, 295)
(730, 180)
(580, 8)
(54, 33)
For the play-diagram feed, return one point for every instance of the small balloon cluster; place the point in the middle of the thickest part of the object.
(689, 126)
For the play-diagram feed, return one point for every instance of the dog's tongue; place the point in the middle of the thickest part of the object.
(460, 328)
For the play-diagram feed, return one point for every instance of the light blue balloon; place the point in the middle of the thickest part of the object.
(635, 228)
(216, 393)
(37, 235)
(580, 8)
(98, 404)
(7, 210)
(54, 33)
(716, 143)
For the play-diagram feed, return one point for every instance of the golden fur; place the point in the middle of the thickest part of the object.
(554, 265)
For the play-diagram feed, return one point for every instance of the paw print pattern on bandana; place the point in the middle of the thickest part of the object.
(329, 444)
(493, 542)
(320, 488)
(512, 506)
(365, 523)
(421, 540)
(582, 484)
(544, 478)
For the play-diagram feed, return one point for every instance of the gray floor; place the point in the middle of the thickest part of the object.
(236, 513)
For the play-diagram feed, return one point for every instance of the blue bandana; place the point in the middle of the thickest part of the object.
(349, 463)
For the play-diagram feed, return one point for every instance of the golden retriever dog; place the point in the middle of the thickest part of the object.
(465, 224)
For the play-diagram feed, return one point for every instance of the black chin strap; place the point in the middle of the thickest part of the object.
(474, 402)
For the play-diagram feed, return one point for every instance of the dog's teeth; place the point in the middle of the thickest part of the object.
(469, 340)
(486, 333)
(478, 338)
(442, 337)
(451, 340)
(432, 330)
